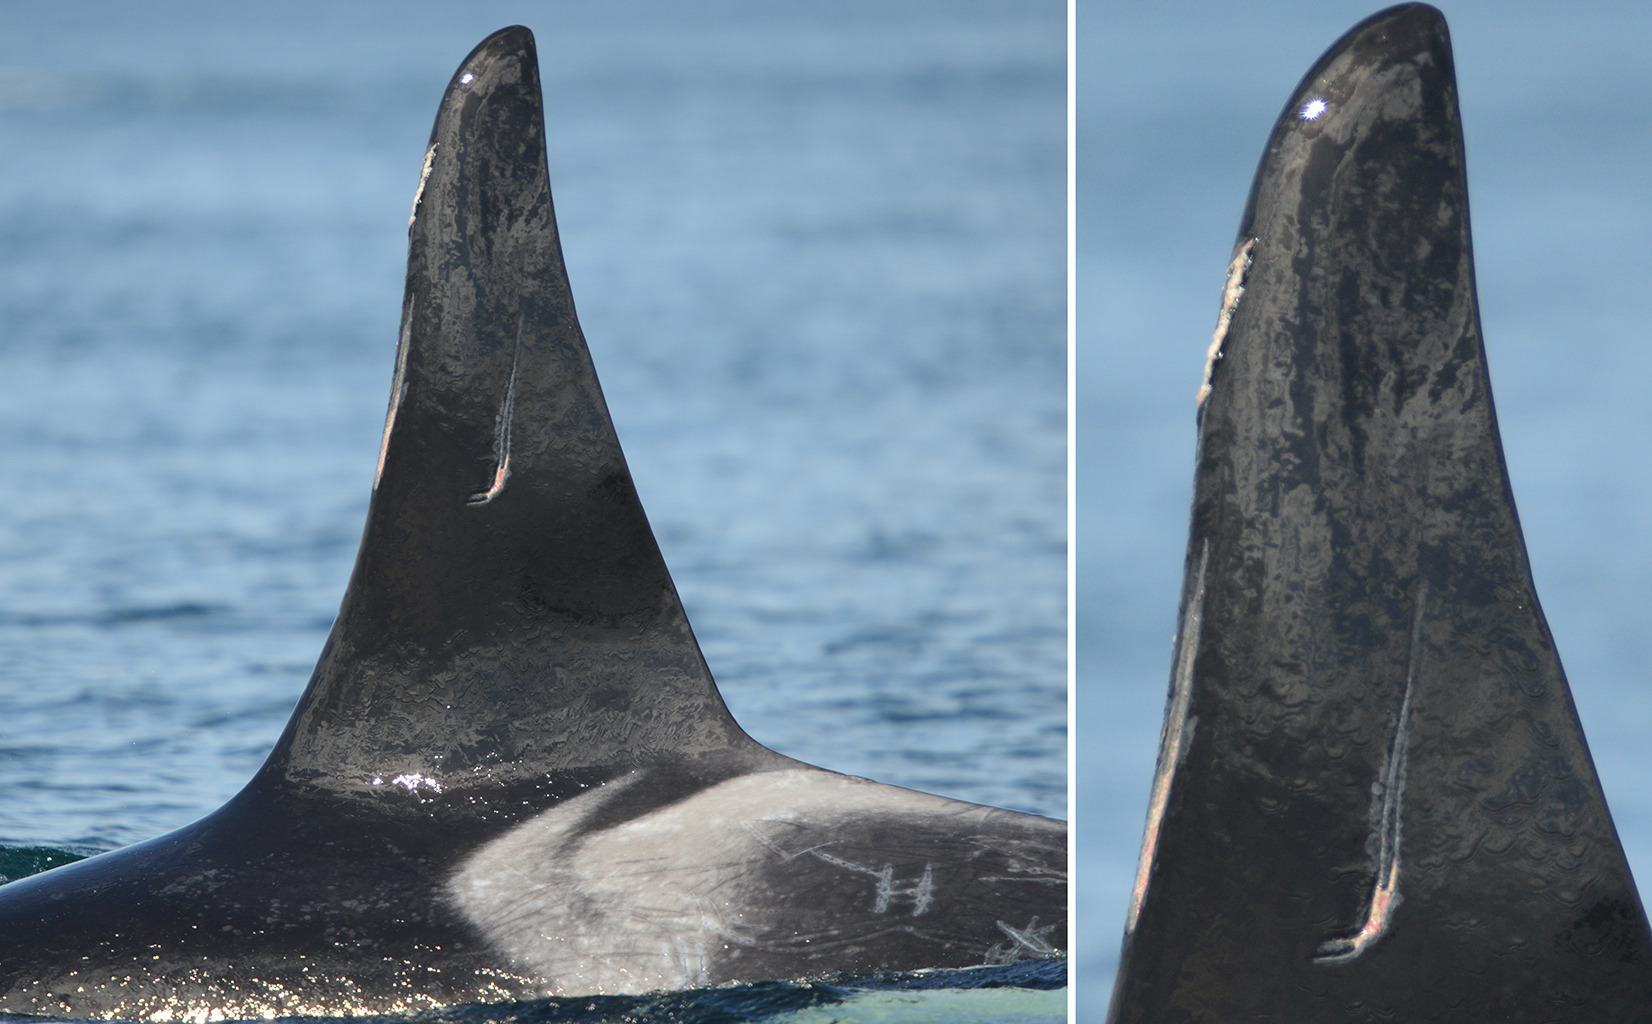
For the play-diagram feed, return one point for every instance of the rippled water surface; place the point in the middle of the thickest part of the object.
(819, 253)
(1025, 993)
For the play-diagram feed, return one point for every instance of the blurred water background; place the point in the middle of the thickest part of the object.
(819, 252)
(1175, 102)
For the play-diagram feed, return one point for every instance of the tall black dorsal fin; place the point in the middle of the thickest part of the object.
(1374, 798)
(509, 617)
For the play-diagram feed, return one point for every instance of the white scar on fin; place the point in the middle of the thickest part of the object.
(398, 390)
(424, 175)
(1231, 293)
(502, 432)
(398, 387)
(1386, 793)
(1178, 730)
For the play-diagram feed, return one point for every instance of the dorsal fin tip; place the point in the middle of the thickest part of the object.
(1388, 768)
(508, 595)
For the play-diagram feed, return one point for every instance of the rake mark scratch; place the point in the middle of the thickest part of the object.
(502, 432)
(1387, 796)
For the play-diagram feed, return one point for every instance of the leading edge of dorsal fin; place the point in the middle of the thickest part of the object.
(509, 619)
(1374, 800)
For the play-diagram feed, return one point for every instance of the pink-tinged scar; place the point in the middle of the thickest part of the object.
(502, 429)
(1388, 795)
(1178, 731)
(398, 391)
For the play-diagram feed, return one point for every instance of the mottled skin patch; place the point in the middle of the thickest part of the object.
(1348, 464)
(797, 870)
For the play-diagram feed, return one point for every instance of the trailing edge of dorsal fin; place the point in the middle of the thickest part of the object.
(1380, 804)
(510, 619)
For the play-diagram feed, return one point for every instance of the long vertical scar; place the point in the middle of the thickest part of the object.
(1385, 819)
(424, 175)
(398, 390)
(1232, 291)
(502, 430)
(1178, 729)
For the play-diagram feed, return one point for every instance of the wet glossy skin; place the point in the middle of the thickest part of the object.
(512, 700)
(1379, 803)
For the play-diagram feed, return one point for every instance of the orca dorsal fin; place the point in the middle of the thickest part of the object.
(1374, 799)
(509, 619)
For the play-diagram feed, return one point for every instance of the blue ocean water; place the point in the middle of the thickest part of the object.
(819, 253)
(1031, 992)
(1175, 102)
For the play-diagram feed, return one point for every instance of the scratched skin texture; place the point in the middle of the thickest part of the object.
(1372, 685)
(511, 647)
